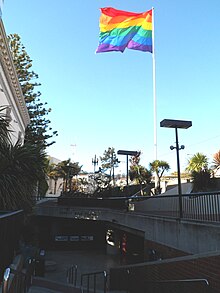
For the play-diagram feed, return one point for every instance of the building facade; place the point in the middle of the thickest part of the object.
(11, 98)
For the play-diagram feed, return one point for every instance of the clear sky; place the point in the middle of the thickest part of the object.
(106, 100)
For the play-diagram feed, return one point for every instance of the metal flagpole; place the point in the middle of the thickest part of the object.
(154, 101)
(154, 89)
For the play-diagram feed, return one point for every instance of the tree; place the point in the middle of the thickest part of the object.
(139, 173)
(67, 170)
(38, 131)
(109, 162)
(159, 167)
(53, 172)
(197, 163)
(101, 182)
(21, 169)
(198, 167)
(216, 160)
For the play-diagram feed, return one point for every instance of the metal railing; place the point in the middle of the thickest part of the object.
(91, 282)
(71, 275)
(5, 283)
(180, 286)
(18, 281)
(10, 227)
(195, 206)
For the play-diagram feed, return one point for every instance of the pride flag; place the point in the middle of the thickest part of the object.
(121, 29)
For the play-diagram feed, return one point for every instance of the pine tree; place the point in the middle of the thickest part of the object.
(38, 131)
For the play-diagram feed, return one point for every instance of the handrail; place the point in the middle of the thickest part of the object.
(94, 275)
(21, 280)
(169, 285)
(71, 275)
(6, 280)
(195, 206)
(181, 281)
(203, 206)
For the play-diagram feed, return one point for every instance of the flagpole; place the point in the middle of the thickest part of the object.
(154, 89)
(154, 103)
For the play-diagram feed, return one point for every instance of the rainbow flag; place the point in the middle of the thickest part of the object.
(121, 29)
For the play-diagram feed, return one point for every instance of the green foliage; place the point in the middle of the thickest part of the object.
(21, 168)
(159, 167)
(38, 131)
(197, 163)
(140, 174)
(101, 182)
(109, 161)
(198, 167)
(65, 170)
(201, 181)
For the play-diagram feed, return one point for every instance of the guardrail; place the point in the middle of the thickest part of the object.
(180, 286)
(71, 275)
(10, 227)
(17, 281)
(195, 206)
(93, 283)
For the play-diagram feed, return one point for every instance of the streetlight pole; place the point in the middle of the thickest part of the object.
(178, 172)
(127, 153)
(169, 123)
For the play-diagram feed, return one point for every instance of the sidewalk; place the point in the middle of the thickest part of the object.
(86, 261)
(55, 280)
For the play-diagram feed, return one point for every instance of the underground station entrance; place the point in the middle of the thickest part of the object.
(75, 234)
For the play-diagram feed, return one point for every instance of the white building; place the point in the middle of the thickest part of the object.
(11, 97)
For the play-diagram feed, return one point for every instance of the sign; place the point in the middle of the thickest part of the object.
(61, 238)
(74, 238)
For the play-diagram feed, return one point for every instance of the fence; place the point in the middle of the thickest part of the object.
(18, 280)
(91, 284)
(195, 206)
(10, 228)
(71, 275)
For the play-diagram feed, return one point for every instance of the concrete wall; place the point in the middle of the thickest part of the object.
(185, 235)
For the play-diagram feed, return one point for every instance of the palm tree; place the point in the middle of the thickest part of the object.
(54, 172)
(140, 175)
(159, 167)
(197, 163)
(198, 167)
(21, 169)
(67, 170)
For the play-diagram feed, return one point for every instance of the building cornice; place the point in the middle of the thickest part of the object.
(11, 75)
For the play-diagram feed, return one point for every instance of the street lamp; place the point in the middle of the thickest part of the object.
(127, 153)
(95, 162)
(169, 123)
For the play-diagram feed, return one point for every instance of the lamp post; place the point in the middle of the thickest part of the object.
(95, 162)
(127, 153)
(169, 123)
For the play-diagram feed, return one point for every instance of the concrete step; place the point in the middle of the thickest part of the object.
(36, 289)
(48, 286)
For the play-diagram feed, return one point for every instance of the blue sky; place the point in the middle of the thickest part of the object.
(106, 100)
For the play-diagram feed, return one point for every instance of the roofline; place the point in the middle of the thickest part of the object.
(11, 75)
